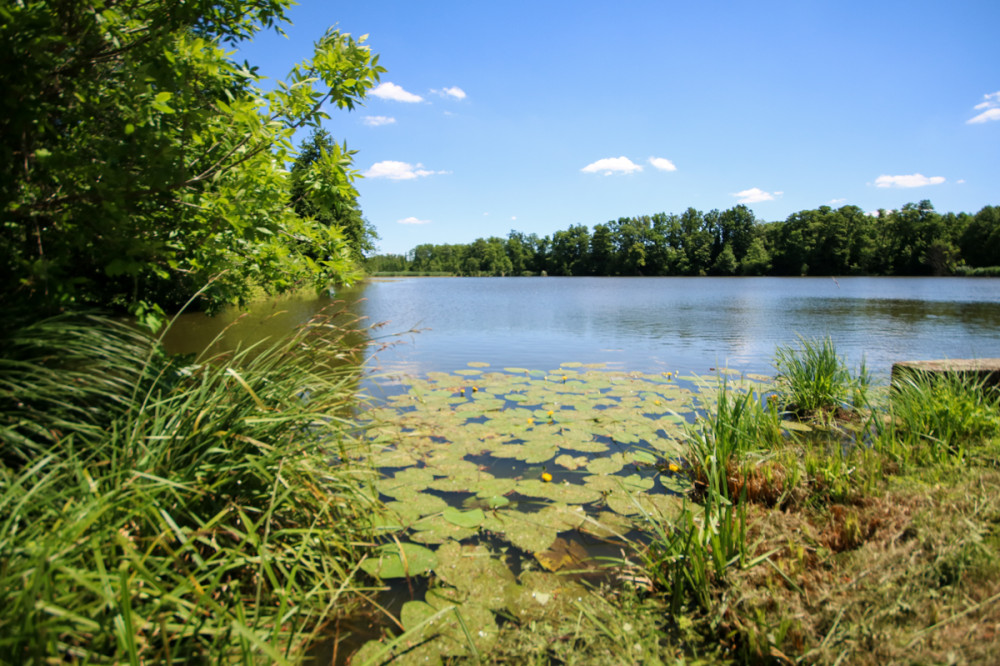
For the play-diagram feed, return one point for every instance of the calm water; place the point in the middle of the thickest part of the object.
(649, 324)
(686, 324)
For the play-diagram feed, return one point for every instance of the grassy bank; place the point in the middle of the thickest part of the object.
(871, 537)
(174, 510)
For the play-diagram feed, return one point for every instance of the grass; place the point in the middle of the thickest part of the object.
(166, 510)
(813, 378)
(884, 548)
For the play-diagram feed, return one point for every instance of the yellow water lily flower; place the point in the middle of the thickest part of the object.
(546, 477)
(673, 468)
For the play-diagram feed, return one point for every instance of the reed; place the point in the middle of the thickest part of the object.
(813, 378)
(155, 509)
(938, 419)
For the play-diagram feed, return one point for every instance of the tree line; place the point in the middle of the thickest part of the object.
(915, 240)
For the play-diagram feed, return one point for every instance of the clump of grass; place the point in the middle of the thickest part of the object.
(938, 418)
(814, 379)
(691, 554)
(176, 512)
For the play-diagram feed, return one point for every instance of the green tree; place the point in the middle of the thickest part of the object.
(322, 190)
(140, 162)
(980, 240)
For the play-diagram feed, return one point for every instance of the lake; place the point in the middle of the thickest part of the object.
(677, 323)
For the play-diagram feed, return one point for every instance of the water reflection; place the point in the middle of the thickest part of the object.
(685, 323)
(651, 324)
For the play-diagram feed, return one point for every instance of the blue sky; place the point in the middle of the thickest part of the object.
(539, 115)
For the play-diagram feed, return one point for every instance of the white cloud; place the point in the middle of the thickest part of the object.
(610, 165)
(990, 108)
(513, 218)
(394, 170)
(453, 91)
(755, 195)
(834, 202)
(396, 93)
(412, 220)
(662, 163)
(912, 180)
(378, 121)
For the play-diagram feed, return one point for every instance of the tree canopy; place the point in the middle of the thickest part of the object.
(140, 162)
(915, 240)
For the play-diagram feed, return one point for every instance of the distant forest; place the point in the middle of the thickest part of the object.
(915, 240)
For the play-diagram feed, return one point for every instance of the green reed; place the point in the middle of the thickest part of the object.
(814, 378)
(939, 418)
(155, 509)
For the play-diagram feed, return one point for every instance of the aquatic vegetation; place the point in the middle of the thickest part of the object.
(813, 378)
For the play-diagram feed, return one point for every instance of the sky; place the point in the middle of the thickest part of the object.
(535, 116)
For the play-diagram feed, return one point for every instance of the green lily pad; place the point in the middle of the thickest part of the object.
(566, 493)
(524, 530)
(436, 530)
(607, 525)
(543, 595)
(478, 364)
(469, 519)
(391, 561)
(607, 465)
(476, 571)
(571, 463)
(443, 629)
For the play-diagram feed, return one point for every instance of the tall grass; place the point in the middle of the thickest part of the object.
(939, 418)
(693, 552)
(814, 378)
(153, 510)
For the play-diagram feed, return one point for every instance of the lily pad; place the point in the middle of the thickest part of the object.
(607, 525)
(567, 493)
(524, 530)
(571, 463)
(437, 529)
(540, 595)
(469, 519)
(399, 560)
(476, 571)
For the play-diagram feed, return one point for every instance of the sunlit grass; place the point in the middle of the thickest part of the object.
(154, 510)
(814, 378)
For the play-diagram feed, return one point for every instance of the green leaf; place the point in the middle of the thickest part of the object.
(391, 561)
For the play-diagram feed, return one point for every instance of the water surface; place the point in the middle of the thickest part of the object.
(685, 324)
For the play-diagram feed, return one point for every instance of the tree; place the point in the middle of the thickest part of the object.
(321, 190)
(139, 162)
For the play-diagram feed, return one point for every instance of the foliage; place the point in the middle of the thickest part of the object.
(915, 240)
(321, 191)
(139, 160)
(177, 511)
(937, 418)
(813, 378)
